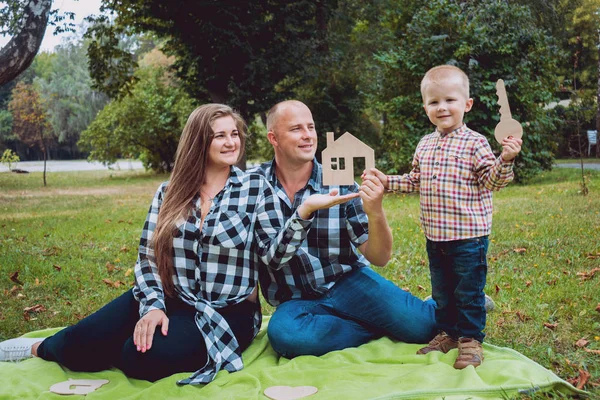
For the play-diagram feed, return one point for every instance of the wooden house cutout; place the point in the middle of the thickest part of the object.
(338, 159)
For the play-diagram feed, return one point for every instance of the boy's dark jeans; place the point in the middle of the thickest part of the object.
(104, 339)
(458, 271)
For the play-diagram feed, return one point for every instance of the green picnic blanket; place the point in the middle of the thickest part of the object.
(381, 369)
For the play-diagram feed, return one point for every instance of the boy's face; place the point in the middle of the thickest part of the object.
(446, 103)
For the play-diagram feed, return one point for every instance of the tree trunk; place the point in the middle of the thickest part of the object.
(20, 51)
(45, 159)
(598, 103)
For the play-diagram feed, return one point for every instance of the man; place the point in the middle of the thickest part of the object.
(327, 297)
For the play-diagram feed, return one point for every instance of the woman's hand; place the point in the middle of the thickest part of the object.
(145, 327)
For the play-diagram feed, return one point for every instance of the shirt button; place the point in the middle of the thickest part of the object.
(437, 163)
(439, 147)
(435, 176)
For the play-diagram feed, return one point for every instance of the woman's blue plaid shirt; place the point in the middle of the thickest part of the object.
(216, 263)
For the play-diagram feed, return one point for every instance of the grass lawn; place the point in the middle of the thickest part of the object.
(67, 249)
(577, 160)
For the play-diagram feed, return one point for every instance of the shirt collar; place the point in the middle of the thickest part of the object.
(460, 130)
(315, 180)
(235, 176)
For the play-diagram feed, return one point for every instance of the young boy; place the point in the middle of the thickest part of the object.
(455, 172)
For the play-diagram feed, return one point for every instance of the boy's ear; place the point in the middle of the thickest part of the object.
(469, 105)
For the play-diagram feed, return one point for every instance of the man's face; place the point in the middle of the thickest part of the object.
(293, 134)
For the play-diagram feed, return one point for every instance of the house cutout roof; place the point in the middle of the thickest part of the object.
(338, 159)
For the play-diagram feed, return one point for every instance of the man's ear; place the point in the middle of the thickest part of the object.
(469, 105)
(272, 138)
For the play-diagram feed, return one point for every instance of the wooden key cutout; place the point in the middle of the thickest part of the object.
(507, 125)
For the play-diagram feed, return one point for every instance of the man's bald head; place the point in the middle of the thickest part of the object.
(276, 111)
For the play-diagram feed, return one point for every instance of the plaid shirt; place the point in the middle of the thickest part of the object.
(455, 174)
(215, 263)
(330, 249)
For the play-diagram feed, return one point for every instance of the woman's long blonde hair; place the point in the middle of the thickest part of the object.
(189, 174)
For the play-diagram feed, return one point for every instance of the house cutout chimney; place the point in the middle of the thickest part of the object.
(338, 159)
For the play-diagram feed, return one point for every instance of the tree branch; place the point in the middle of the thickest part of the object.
(20, 51)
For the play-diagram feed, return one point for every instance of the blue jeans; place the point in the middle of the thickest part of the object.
(361, 306)
(104, 339)
(458, 272)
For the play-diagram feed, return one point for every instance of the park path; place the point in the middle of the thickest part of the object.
(578, 165)
(126, 165)
(73, 165)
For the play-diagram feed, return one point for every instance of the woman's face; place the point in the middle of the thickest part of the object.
(224, 149)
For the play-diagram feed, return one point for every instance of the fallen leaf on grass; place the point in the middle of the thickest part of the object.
(551, 326)
(130, 271)
(520, 250)
(582, 342)
(15, 278)
(124, 249)
(522, 317)
(581, 380)
(552, 282)
(420, 287)
(528, 283)
(15, 289)
(592, 256)
(115, 284)
(36, 308)
(57, 267)
(598, 307)
(592, 351)
(110, 267)
(497, 289)
(51, 251)
(588, 275)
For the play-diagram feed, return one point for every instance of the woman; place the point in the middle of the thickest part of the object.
(195, 274)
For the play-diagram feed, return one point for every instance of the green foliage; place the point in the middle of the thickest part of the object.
(489, 40)
(6, 135)
(70, 100)
(233, 52)
(9, 157)
(145, 124)
(111, 61)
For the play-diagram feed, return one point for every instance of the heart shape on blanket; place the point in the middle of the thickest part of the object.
(289, 392)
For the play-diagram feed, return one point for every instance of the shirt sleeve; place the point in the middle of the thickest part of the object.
(410, 182)
(276, 243)
(148, 286)
(493, 173)
(357, 222)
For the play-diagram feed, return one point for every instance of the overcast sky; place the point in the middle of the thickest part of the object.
(81, 8)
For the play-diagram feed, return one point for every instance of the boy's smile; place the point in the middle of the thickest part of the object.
(446, 103)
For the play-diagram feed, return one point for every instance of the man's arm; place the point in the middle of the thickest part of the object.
(378, 248)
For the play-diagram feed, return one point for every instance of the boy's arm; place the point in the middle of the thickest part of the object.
(496, 173)
(406, 183)
(403, 183)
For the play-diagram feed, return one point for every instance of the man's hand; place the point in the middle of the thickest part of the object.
(510, 148)
(145, 327)
(378, 174)
(371, 193)
(321, 201)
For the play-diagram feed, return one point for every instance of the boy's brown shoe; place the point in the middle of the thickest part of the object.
(442, 342)
(470, 352)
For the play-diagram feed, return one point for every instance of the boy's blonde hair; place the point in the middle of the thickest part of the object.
(443, 73)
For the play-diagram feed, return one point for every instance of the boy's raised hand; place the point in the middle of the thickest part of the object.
(511, 146)
(378, 174)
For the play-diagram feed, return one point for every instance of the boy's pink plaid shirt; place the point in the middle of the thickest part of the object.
(455, 174)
